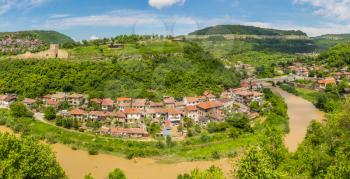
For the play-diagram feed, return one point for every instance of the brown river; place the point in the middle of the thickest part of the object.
(301, 112)
(78, 163)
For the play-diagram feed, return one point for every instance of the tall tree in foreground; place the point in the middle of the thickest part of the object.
(26, 158)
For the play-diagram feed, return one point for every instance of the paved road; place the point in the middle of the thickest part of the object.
(301, 112)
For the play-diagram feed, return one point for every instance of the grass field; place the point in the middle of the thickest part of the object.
(142, 48)
(308, 94)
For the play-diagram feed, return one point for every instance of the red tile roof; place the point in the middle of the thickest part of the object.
(96, 100)
(132, 111)
(118, 114)
(173, 111)
(123, 99)
(29, 101)
(191, 99)
(156, 111)
(97, 113)
(52, 102)
(77, 112)
(107, 102)
(191, 108)
(210, 104)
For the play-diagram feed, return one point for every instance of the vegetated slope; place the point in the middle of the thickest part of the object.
(48, 37)
(337, 56)
(13, 43)
(153, 76)
(324, 42)
(245, 30)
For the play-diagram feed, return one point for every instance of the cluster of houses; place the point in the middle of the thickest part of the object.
(123, 111)
(9, 44)
(333, 78)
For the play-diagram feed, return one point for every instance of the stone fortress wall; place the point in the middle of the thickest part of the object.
(53, 52)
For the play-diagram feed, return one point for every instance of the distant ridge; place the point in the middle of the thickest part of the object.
(245, 30)
(47, 36)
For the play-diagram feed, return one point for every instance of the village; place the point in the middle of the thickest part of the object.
(126, 117)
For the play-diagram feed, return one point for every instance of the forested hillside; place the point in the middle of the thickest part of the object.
(245, 30)
(13, 43)
(43, 35)
(152, 77)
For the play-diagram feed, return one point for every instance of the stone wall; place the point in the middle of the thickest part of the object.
(53, 52)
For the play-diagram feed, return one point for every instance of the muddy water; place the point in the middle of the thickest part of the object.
(77, 164)
(301, 112)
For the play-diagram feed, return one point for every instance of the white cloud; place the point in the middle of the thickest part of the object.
(94, 37)
(7, 5)
(339, 9)
(160, 4)
(139, 21)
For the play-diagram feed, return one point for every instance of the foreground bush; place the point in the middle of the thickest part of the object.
(26, 158)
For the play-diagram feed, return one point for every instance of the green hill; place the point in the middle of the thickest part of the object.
(324, 42)
(245, 30)
(48, 37)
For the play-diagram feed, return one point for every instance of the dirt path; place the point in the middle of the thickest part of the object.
(301, 112)
(78, 163)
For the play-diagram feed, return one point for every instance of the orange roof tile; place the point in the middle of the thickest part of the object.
(210, 104)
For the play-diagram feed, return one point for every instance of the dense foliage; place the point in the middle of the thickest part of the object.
(116, 174)
(245, 30)
(26, 158)
(337, 56)
(48, 37)
(212, 173)
(152, 77)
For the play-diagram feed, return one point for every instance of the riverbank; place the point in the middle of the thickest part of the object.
(301, 112)
(100, 165)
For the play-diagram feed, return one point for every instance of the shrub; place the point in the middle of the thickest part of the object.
(93, 150)
(215, 155)
(117, 174)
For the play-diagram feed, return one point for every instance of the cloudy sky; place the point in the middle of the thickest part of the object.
(85, 19)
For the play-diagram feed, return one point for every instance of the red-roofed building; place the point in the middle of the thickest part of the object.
(139, 104)
(169, 102)
(156, 113)
(174, 115)
(107, 104)
(191, 101)
(322, 84)
(75, 99)
(78, 113)
(155, 105)
(209, 96)
(129, 132)
(192, 112)
(210, 108)
(7, 99)
(53, 103)
(29, 102)
(97, 115)
(133, 113)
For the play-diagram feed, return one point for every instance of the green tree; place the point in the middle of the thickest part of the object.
(50, 113)
(211, 173)
(20, 110)
(257, 164)
(88, 176)
(255, 106)
(26, 158)
(117, 174)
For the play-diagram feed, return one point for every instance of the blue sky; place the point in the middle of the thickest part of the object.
(85, 19)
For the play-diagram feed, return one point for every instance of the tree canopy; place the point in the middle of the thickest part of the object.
(26, 158)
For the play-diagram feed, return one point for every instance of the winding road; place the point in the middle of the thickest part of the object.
(301, 112)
